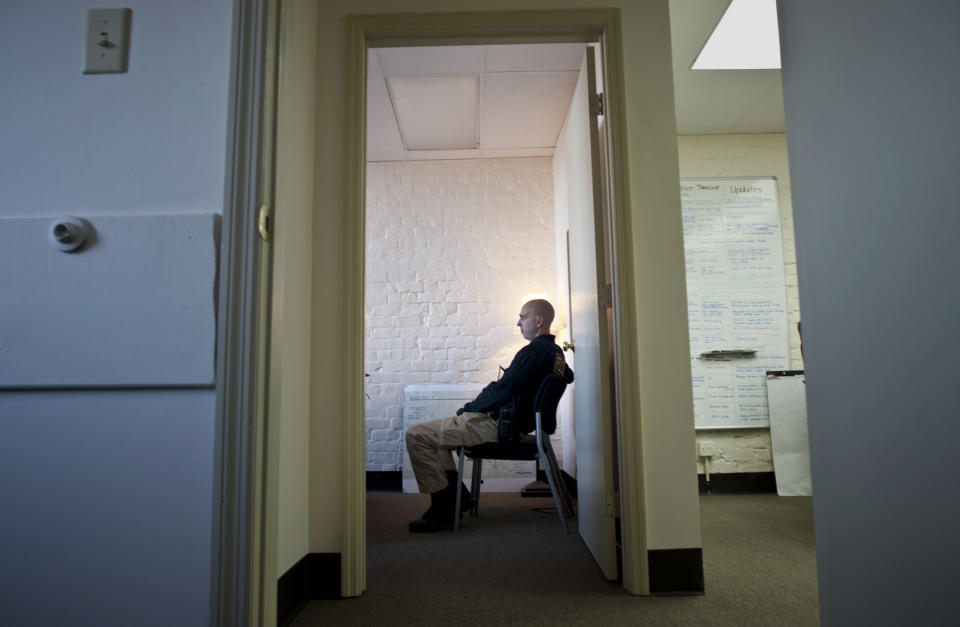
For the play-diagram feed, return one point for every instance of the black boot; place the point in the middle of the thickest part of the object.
(466, 501)
(440, 514)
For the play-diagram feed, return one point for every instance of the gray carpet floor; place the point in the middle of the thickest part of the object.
(514, 566)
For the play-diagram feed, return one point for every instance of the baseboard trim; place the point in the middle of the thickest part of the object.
(676, 571)
(737, 483)
(315, 576)
(385, 480)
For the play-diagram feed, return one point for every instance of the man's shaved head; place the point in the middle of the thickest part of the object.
(535, 318)
(542, 308)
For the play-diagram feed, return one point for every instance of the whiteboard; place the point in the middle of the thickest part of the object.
(736, 297)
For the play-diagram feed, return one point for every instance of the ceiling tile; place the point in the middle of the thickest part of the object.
(533, 57)
(436, 112)
(431, 60)
(525, 109)
(382, 132)
(373, 63)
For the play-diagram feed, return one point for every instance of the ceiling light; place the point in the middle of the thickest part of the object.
(747, 38)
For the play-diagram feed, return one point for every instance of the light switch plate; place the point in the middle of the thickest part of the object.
(108, 41)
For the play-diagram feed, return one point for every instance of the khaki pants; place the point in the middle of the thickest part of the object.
(430, 444)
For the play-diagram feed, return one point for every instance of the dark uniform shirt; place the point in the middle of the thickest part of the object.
(522, 379)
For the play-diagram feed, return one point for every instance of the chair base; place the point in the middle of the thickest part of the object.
(536, 448)
(539, 451)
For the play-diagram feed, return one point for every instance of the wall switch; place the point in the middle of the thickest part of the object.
(706, 448)
(108, 41)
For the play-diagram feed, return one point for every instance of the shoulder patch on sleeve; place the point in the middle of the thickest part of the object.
(559, 364)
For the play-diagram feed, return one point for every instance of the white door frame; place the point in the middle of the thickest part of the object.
(242, 323)
(477, 28)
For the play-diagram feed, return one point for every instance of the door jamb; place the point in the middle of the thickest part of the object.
(464, 29)
(236, 538)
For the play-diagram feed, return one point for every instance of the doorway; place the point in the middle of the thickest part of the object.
(603, 505)
(462, 227)
(461, 224)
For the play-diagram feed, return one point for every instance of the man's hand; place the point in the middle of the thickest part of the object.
(460, 411)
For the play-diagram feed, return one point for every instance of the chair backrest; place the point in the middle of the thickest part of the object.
(547, 399)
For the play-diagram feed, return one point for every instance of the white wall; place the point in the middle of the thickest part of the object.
(748, 450)
(870, 92)
(452, 248)
(107, 496)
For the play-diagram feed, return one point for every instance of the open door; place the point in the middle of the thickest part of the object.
(589, 322)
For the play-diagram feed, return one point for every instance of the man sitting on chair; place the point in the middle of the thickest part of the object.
(430, 443)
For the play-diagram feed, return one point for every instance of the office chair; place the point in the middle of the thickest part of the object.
(529, 447)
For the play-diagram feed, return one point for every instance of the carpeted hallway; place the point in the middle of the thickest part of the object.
(514, 566)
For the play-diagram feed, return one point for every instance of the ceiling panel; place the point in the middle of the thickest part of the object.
(525, 109)
(373, 63)
(436, 112)
(382, 132)
(533, 57)
(431, 60)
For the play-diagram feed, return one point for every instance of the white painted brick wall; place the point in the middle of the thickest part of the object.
(748, 450)
(452, 248)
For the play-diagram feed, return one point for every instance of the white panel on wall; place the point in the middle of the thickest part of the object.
(111, 506)
(152, 140)
(789, 436)
(134, 306)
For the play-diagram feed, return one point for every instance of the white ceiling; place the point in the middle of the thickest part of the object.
(468, 101)
(718, 101)
(455, 102)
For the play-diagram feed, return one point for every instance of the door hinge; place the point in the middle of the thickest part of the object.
(596, 104)
(605, 296)
(613, 504)
(265, 222)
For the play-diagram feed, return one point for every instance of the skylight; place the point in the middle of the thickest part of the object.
(747, 38)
